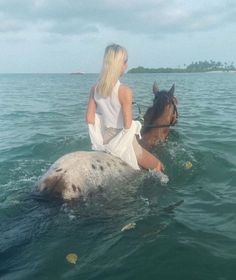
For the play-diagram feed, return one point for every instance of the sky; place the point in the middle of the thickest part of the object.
(64, 36)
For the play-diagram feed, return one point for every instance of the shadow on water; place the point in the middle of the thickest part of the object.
(23, 222)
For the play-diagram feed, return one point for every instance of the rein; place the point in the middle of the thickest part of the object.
(158, 126)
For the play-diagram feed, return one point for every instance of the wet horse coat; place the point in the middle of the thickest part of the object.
(76, 174)
(79, 173)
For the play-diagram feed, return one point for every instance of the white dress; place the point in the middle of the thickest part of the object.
(121, 145)
(109, 115)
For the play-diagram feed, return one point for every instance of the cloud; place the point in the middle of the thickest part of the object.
(151, 17)
(10, 25)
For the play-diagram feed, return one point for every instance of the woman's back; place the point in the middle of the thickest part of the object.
(110, 108)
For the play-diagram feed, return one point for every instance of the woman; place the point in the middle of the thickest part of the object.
(113, 102)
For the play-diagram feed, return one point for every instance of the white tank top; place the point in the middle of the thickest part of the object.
(110, 108)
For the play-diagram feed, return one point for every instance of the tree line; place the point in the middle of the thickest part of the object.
(200, 66)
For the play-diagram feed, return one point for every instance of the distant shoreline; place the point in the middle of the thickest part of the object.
(194, 67)
(183, 72)
(173, 70)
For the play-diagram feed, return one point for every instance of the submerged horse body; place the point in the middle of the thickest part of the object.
(78, 173)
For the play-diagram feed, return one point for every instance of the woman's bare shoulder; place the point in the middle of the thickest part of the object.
(125, 93)
(123, 89)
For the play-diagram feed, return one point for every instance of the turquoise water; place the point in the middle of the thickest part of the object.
(184, 230)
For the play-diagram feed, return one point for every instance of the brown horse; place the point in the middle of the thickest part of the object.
(159, 118)
(76, 174)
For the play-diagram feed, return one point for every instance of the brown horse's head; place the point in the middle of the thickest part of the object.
(159, 117)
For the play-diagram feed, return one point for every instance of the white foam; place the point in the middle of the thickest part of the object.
(163, 178)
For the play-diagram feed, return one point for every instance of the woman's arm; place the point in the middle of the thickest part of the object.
(91, 108)
(125, 98)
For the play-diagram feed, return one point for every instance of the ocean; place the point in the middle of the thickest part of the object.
(185, 229)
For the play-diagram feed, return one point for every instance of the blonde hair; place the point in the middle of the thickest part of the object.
(113, 62)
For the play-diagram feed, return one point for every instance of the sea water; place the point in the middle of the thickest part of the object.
(183, 229)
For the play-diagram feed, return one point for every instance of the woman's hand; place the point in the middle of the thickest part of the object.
(159, 167)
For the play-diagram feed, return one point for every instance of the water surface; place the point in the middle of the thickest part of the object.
(184, 230)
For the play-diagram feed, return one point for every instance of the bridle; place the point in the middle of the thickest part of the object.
(172, 122)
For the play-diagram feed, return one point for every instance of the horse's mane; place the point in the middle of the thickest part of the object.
(162, 98)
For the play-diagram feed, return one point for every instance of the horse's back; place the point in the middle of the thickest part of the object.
(77, 173)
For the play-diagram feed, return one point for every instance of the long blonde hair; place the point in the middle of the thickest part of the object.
(113, 62)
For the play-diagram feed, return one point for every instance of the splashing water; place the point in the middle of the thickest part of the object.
(163, 178)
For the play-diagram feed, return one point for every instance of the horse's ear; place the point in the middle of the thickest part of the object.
(172, 90)
(155, 88)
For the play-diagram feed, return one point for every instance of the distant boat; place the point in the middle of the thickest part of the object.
(77, 73)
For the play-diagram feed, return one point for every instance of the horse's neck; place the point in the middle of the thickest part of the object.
(155, 135)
